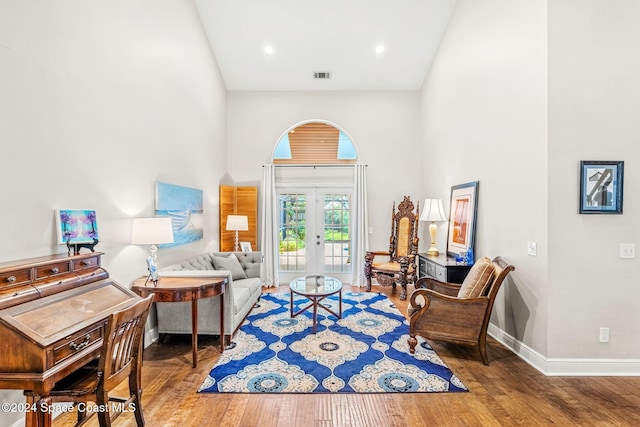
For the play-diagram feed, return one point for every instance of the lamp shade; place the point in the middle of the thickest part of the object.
(237, 222)
(151, 231)
(433, 210)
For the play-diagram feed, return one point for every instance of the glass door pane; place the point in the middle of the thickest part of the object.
(314, 233)
(292, 232)
(337, 233)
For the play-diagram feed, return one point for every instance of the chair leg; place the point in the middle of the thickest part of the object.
(81, 412)
(134, 390)
(482, 346)
(368, 259)
(412, 343)
(138, 410)
(104, 416)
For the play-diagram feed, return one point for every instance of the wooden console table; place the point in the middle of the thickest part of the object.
(179, 289)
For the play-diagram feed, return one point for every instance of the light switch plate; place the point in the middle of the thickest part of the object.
(532, 248)
(627, 250)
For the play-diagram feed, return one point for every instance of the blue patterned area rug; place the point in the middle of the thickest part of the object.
(364, 352)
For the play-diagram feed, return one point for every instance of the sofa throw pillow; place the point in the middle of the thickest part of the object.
(230, 263)
(479, 277)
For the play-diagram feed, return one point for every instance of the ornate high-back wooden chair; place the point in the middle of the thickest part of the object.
(398, 265)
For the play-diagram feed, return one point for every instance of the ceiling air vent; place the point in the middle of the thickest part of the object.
(321, 75)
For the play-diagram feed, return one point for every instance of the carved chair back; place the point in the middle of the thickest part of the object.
(404, 230)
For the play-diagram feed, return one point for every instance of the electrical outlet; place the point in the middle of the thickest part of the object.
(604, 334)
(532, 248)
(627, 250)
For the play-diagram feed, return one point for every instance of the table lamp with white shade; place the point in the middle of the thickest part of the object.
(433, 211)
(152, 231)
(237, 223)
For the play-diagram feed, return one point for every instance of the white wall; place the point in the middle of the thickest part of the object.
(484, 109)
(529, 92)
(384, 127)
(594, 93)
(98, 100)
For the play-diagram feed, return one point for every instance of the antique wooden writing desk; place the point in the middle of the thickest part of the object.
(53, 310)
(178, 289)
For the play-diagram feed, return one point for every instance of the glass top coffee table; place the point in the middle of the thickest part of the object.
(316, 289)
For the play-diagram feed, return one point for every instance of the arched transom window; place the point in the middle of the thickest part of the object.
(315, 143)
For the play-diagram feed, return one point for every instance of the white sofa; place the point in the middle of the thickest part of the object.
(242, 292)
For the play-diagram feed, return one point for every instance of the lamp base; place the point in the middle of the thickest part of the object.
(236, 243)
(433, 229)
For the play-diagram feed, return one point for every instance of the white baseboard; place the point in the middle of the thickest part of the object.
(566, 367)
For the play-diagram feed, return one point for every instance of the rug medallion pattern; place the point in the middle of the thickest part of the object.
(364, 352)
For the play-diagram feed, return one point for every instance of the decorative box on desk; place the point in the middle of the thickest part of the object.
(442, 267)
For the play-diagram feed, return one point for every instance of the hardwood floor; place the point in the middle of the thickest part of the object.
(509, 392)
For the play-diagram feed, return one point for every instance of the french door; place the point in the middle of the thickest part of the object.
(314, 232)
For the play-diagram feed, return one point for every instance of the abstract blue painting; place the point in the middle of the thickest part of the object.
(184, 206)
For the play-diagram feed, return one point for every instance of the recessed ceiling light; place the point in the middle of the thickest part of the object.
(379, 49)
(268, 49)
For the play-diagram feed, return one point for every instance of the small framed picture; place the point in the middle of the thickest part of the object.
(245, 246)
(153, 270)
(76, 226)
(601, 187)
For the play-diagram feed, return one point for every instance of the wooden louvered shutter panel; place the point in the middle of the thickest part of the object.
(227, 207)
(247, 204)
(238, 201)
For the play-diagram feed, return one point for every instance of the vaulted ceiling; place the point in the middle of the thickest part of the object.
(340, 37)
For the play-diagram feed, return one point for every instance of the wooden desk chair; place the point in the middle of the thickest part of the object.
(120, 358)
(460, 314)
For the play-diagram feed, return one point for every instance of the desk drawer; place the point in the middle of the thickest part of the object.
(440, 273)
(90, 262)
(75, 343)
(52, 270)
(15, 277)
(431, 269)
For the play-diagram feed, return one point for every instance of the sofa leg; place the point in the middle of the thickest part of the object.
(230, 343)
